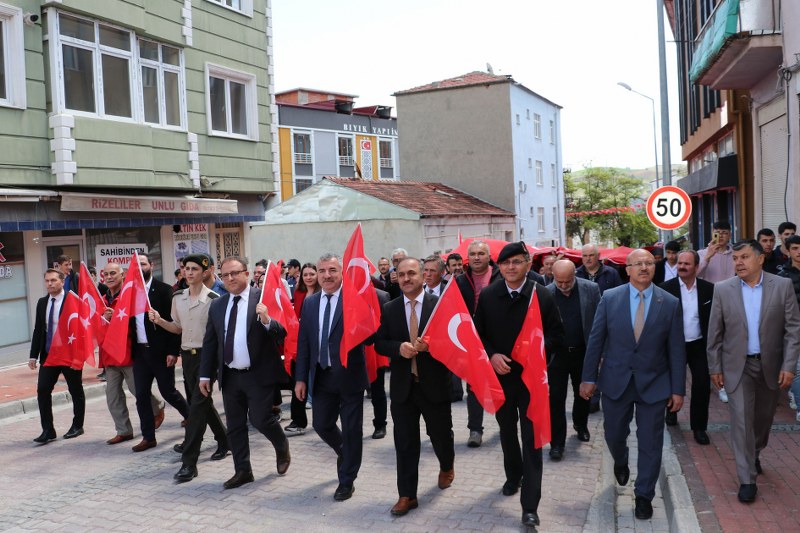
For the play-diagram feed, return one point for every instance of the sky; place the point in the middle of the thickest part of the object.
(572, 52)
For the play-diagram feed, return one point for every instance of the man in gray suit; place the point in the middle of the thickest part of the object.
(577, 301)
(753, 342)
(638, 331)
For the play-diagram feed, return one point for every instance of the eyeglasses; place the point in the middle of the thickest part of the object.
(515, 263)
(231, 274)
(642, 264)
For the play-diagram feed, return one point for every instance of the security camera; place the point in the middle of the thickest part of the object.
(30, 19)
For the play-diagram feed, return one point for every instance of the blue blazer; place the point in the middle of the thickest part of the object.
(657, 363)
(351, 379)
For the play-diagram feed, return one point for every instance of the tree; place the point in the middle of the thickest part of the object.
(608, 188)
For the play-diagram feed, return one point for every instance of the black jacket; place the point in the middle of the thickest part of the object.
(467, 286)
(39, 337)
(161, 341)
(793, 274)
(705, 294)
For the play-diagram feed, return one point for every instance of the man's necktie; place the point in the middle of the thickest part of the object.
(638, 324)
(431, 291)
(413, 332)
(230, 333)
(324, 354)
(514, 295)
(51, 325)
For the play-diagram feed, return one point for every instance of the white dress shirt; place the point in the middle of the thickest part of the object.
(56, 312)
(241, 354)
(437, 290)
(322, 302)
(141, 334)
(406, 302)
(670, 271)
(691, 317)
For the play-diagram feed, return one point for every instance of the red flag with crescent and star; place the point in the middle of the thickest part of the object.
(361, 311)
(72, 344)
(530, 353)
(132, 301)
(92, 307)
(453, 340)
(280, 308)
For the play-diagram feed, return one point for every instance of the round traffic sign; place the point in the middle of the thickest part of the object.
(669, 207)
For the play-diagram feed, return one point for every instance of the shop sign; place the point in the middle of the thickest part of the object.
(6, 272)
(146, 204)
(116, 253)
(192, 239)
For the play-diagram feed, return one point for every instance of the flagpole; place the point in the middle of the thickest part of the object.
(266, 273)
(435, 307)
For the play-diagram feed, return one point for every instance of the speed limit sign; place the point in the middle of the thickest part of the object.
(669, 207)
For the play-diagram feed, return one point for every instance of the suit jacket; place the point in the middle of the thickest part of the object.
(39, 337)
(434, 377)
(657, 362)
(705, 293)
(589, 294)
(498, 320)
(467, 286)
(778, 330)
(350, 379)
(161, 341)
(262, 343)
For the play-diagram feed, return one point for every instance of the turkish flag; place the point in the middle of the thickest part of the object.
(529, 352)
(453, 340)
(361, 311)
(72, 343)
(280, 308)
(374, 362)
(132, 301)
(92, 307)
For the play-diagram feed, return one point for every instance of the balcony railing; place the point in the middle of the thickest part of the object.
(302, 157)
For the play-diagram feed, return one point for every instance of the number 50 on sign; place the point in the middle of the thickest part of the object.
(669, 207)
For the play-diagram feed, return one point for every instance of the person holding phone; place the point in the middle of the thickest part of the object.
(716, 261)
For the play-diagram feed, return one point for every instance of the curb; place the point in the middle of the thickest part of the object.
(602, 510)
(678, 502)
(28, 406)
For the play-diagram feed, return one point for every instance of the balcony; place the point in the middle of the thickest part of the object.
(739, 45)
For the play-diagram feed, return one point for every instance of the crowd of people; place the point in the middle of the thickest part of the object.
(729, 312)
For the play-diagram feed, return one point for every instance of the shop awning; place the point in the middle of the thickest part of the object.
(722, 173)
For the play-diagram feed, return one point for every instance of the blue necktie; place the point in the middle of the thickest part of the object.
(324, 356)
(230, 333)
(50, 326)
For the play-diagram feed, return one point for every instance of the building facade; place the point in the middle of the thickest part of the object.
(491, 137)
(129, 124)
(323, 134)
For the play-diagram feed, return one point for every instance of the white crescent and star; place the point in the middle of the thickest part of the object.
(125, 288)
(278, 299)
(452, 331)
(361, 263)
(71, 337)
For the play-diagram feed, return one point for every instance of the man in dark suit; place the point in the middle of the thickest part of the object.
(420, 385)
(499, 317)
(240, 350)
(695, 295)
(154, 351)
(48, 309)
(432, 274)
(377, 389)
(638, 332)
(337, 391)
(667, 268)
(577, 301)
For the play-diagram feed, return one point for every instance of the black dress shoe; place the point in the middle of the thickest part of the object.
(46, 437)
(73, 432)
(530, 519)
(622, 473)
(583, 433)
(747, 493)
(701, 437)
(221, 453)
(556, 452)
(283, 459)
(186, 473)
(239, 478)
(344, 492)
(643, 509)
(379, 433)
(671, 419)
(179, 447)
(510, 488)
(759, 470)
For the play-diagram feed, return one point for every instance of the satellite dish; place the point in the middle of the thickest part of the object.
(489, 68)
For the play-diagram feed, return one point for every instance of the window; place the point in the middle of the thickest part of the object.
(301, 184)
(537, 125)
(528, 114)
(552, 132)
(530, 163)
(231, 103)
(540, 219)
(346, 151)
(385, 154)
(12, 58)
(555, 220)
(517, 119)
(108, 72)
(539, 174)
(531, 211)
(302, 148)
(245, 7)
(553, 175)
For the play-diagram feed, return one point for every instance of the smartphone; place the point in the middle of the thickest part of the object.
(715, 236)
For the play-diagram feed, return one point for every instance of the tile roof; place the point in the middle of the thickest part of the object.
(465, 80)
(427, 199)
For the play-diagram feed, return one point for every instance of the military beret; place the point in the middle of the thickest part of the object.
(511, 249)
(200, 259)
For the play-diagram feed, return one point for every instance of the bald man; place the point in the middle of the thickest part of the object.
(577, 301)
(594, 270)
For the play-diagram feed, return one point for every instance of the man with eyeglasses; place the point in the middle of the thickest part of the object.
(638, 333)
(499, 318)
(240, 351)
(716, 260)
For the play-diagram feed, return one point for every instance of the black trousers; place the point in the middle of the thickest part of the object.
(297, 408)
(566, 366)
(245, 397)
(379, 404)
(329, 404)
(701, 384)
(201, 412)
(438, 426)
(520, 464)
(474, 412)
(48, 377)
(149, 366)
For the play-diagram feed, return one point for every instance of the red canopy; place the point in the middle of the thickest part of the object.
(495, 245)
(612, 255)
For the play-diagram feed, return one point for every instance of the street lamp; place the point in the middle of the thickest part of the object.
(655, 138)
